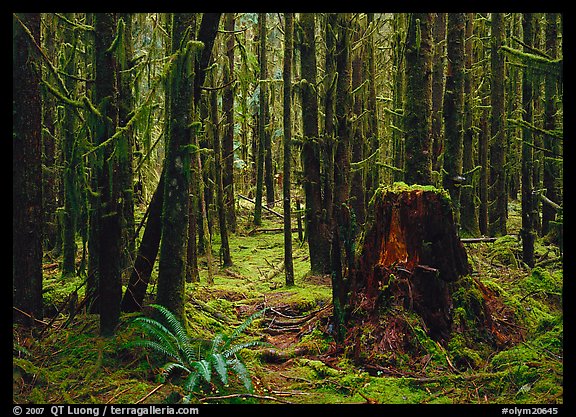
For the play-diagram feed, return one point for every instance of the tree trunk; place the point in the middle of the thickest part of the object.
(398, 123)
(453, 111)
(107, 173)
(552, 168)
(224, 245)
(357, 186)
(287, 74)
(498, 196)
(228, 137)
(263, 103)
(316, 226)
(26, 170)
(147, 252)
(69, 145)
(342, 234)
(529, 213)
(172, 259)
(468, 211)
(438, 76)
(373, 173)
(417, 122)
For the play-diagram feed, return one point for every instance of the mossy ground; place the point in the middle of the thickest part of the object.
(70, 363)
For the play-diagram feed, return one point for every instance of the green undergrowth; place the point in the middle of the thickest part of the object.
(70, 363)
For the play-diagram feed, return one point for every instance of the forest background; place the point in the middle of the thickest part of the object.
(146, 146)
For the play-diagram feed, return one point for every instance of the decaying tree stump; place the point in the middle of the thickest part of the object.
(407, 259)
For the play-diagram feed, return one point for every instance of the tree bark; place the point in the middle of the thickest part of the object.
(529, 213)
(26, 170)
(552, 168)
(228, 137)
(317, 228)
(342, 234)
(438, 76)
(498, 196)
(407, 259)
(133, 299)
(417, 121)
(453, 110)
(287, 74)
(172, 257)
(263, 103)
(468, 211)
(107, 173)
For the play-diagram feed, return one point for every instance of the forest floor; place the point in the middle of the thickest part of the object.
(65, 361)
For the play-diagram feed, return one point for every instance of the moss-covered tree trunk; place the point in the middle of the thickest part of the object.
(342, 233)
(497, 213)
(453, 110)
(438, 76)
(357, 184)
(26, 170)
(468, 210)
(126, 142)
(552, 166)
(109, 211)
(70, 146)
(141, 272)
(529, 212)
(372, 132)
(316, 224)
(263, 103)
(228, 136)
(172, 259)
(398, 123)
(218, 168)
(329, 116)
(418, 104)
(287, 118)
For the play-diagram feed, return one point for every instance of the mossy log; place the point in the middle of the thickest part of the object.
(407, 257)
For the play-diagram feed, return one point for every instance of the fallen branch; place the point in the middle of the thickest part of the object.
(264, 207)
(149, 394)
(478, 239)
(260, 397)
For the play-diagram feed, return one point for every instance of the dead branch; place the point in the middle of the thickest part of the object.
(260, 397)
(264, 207)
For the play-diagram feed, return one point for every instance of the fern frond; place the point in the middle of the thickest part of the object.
(237, 348)
(171, 366)
(155, 346)
(173, 324)
(160, 333)
(191, 382)
(220, 366)
(243, 327)
(203, 368)
(218, 339)
(242, 373)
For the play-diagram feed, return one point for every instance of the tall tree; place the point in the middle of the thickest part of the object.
(417, 121)
(287, 74)
(316, 225)
(26, 170)
(498, 197)
(215, 133)
(172, 260)
(552, 168)
(357, 185)
(438, 77)
(109, 209)
(373, 174)
(468, 211)
(262, 109)
(228, 136)
(342, 235)
(398, 121)
(529, 213)
(453, 110)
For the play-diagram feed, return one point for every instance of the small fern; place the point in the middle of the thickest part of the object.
(193, 359)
